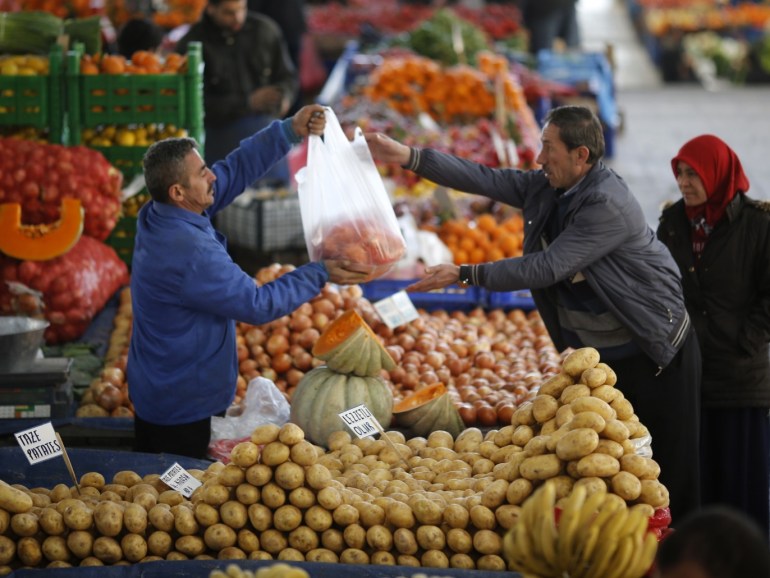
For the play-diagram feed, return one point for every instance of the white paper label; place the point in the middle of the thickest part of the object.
(361, 421)
(396, 310)
(39, 443)
(179, 479)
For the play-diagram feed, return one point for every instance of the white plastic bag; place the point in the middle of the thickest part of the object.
(346, 211)
(263, 403)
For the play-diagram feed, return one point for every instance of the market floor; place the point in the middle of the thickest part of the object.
(658, 118)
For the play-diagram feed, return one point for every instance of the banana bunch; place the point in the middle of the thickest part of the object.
(596, 537)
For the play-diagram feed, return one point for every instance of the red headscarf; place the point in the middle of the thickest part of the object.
(720, 171)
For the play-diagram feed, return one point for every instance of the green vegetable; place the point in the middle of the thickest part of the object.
(28, 32)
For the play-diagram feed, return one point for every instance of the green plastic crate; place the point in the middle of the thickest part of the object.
(122, 239)
(106, 99)
(35, 101)
(128, 160)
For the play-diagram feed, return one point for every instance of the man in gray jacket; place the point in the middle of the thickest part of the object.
(598, 276)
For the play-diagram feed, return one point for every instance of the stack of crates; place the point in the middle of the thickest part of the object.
(35, 101)
(100, 100)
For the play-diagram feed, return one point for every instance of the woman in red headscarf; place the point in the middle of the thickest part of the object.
(721, 241)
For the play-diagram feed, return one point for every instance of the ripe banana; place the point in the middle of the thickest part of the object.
(568, 524)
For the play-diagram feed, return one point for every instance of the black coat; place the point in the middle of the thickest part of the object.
(728, 297)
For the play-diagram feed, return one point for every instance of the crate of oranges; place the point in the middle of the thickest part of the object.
(483, 238)
(110, 90)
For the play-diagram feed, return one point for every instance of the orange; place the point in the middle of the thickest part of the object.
(113, 64)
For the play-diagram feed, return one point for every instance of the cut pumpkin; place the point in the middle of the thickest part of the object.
(40, 242)
(427, 410)
(348, 345)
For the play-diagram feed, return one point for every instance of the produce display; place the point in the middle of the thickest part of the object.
(275, 571)
(440, 501)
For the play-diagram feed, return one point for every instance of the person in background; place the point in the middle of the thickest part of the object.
(139, 34)
(715, 542)
(720, 239)
(248, 77)
(547, 20)
(187, 292)
(598, 276)
(290, 17)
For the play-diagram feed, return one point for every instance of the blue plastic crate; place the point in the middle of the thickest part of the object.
(451, 298)
(510, 300)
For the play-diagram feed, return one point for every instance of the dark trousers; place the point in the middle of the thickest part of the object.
(669, 405)
(189, 439)
(735, 468)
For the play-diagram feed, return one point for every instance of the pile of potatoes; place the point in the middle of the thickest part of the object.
(434, 502)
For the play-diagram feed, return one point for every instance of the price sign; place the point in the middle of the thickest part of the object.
(396, 310)
(361, 421)
(179, 479)
(39, 443)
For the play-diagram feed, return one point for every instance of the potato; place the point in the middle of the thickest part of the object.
(554, 385)
(265, 434)
(462, 561)
(616, 431)
(92, 480)
(214, 493)
(381, 558)
(259, 474)
(317, 476)
(643, 468)
(231, 476)
(107, 549)
(134, 547)
(289, 475)
(159, 543)
(332, 539)
(247, 541)
(522, 434)
(189, 546)
(7, 551)
(260, 516)
(354, 556)
(55, 549)
(135, 519)
(523, 415)
(275, 453)
(548, 427)
(623, 408)
(14, 500)
(506, 515)
(247, 494)
(491, 562)
(273, 495)
(287, 518)
(626, 485)
(303, 539)
(273, 541)
(593, 404)
(573, 392)
(245, 454)
(589, 419)
(430, 537)
(593, 377)
(540, 467)
(518, 491)
(577, 443)
(468, 440)
(487, 542)
(455, 516)
(28, 551)
(434, 559)
(654, 493)
(78, 516)
(50, 520)
(606, 393)
(481, 517)
(205, 514)
(290, 434)
(302, 497)
(579, 360)
(228, 553)
(25, 524)
(426, 511)
(161, 518)
(494, 494)
(610, 448)
(597, 465)
(612, 377)
(59, 492)
(219, 536)
(234, 514)
(592, 484)
(184, 521)
(544, 407)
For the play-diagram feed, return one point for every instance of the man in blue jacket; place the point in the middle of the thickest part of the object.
(187, 292)
(598, 276)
